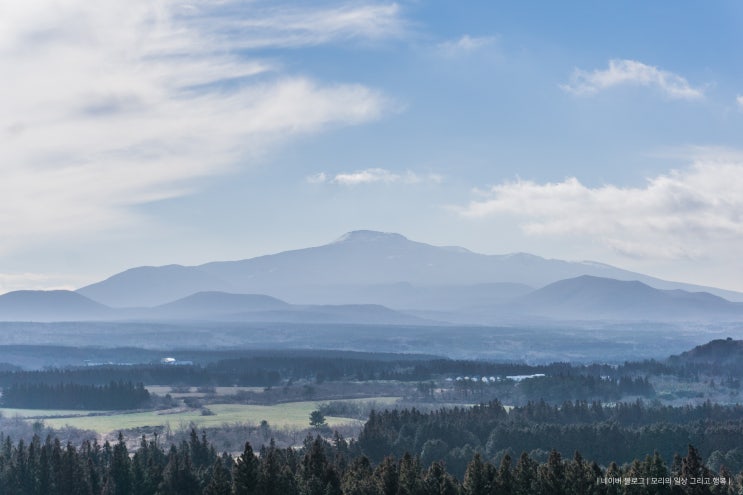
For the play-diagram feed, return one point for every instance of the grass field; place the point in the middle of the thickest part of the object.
(43, 413)
(290, 414)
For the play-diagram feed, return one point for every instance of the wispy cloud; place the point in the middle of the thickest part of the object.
(681, 214)
(631, 72)
(251, 25)
(372, 175)
(739, 101)
(465, 44)
(107, 105)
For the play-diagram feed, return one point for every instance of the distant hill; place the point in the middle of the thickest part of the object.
(367, 314)
(214, 303)
(152, 286)
(54, 305)
(363, 267)
(720, 351)
(46, 306)
(221, 306)
(594, 298)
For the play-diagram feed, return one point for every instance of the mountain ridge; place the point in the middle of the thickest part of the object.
(343, 270)
(589, 297)
(61, 305)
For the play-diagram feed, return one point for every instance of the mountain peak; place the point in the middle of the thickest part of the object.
(370, 236)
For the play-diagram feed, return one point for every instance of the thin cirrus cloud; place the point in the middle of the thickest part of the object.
(255, 26)
(632, 73)
(465, 44)
(371, 176)
(108, 105)
(676, 215)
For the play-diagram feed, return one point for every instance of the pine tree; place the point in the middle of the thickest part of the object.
(245, 472)
(504, 478)
(437, 481)
(578, 475)
(386, 476)
(409, 479)
(692, 467)
(525, 475)
(178, 476)
(318, 476)
(552, 475)
(357, 478)
(475, 478)
(219, 481)
(120, 471)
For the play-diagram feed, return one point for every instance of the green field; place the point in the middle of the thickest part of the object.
(44, 413)
(290, 414)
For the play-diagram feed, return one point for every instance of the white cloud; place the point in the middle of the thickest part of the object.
(465, 44)
(108, 105)
(631, 72)
(259, 27)
(366, 176)
(739, 100)
(682, 214)
(372, 175)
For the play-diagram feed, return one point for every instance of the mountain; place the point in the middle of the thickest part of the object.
(57, 306)
(407, 297)
(363, 267)
(594, 298)
(53, 305)
(215, 303)
(221, 306)
(151, 286)
(719, 351)
(366, 314)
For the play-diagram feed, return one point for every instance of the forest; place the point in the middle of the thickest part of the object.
(329, 467)
(462, 427)
(113, 396)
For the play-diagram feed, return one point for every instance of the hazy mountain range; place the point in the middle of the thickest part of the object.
(376, 277)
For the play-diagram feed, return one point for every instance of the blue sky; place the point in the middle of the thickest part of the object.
(147, 133)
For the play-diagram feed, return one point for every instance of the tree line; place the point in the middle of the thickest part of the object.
(112, 396)
(619, 433)
(323, 467)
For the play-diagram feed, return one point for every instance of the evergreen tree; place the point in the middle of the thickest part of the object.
(219, 482)
(578, 476)
(409, 482)
(504, 479)
(525, 475)
(318, 476)
(357, 480)
(552, 475)
(386, 476)
(45, 470)
(437, 481)
(475, 478)
(179, 477)
(245, 473)
(120, 471)
(692, 467)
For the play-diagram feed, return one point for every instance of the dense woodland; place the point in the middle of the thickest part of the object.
(113, 396)
(562, 381)
(561, 436)
(329, 468)
(620, 433)
(720, 358)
